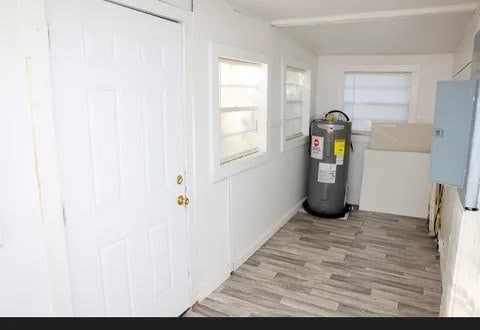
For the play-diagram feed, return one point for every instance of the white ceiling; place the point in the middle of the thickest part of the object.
(424, 34)
(282, 9)
(419, 35)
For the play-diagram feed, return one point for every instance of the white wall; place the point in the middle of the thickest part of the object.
(330, 85)
(452, 217)
(462, 61)
(251, 204)
(24, 287)
(465, 289)
(460, 230)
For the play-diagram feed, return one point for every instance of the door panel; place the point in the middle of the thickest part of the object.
(116, 278)
(452, 131)
(117, 84)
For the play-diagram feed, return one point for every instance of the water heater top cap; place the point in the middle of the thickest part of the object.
(330, 116)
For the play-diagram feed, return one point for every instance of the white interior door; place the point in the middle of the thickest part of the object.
(117, 84)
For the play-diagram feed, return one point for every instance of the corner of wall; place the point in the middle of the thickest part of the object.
(218, 21)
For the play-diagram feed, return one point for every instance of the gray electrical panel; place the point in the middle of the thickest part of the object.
(453, 148)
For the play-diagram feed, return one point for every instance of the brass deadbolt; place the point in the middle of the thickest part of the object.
(179, 179)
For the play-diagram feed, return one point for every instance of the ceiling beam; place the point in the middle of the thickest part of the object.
(375, 16)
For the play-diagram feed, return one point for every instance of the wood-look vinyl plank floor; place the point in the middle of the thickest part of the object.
(371, 265)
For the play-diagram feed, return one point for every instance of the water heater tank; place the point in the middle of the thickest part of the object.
(328, 167)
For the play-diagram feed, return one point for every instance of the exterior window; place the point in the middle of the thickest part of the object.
(243, 99)
(377, 97)
(297, 102)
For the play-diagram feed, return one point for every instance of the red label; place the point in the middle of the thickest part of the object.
(316, 143)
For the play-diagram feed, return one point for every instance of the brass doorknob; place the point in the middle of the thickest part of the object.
(182, 200)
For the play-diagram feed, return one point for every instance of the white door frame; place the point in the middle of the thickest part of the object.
(37, 66)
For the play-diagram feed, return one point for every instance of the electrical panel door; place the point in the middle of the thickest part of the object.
(452, 131)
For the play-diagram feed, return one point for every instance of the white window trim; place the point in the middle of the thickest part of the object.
(221, 171)
(413, 69)
(306, 115)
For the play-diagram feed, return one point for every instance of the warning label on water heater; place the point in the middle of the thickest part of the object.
(327, 173)
(339, 149)
(317, 147)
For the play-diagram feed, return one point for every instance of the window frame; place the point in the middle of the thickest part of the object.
(306, 112)
(414, 89)
(218, 170)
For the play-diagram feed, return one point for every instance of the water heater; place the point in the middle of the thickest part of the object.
(328, 166)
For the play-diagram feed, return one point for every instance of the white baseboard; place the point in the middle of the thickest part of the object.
(283, 220)
(208, 288)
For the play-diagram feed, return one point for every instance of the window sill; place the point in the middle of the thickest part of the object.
(221, 172)
(295, 143)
